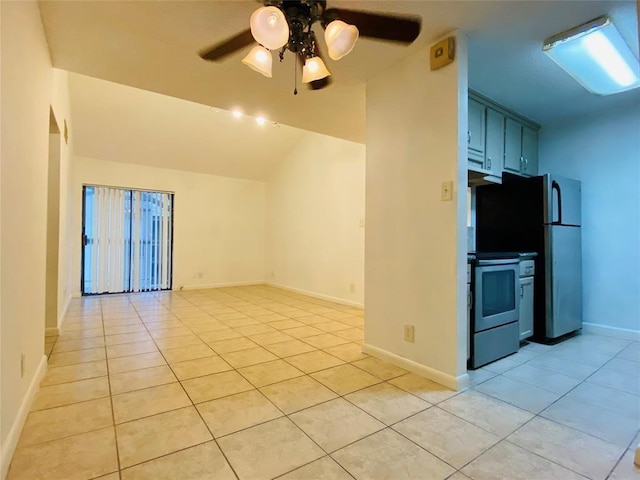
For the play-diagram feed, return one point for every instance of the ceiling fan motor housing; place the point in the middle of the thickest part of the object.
(301, 15)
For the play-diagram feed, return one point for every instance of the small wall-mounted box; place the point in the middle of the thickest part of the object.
(442, 53)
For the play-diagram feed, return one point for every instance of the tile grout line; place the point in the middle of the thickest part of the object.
(340, 396)
(258, 390)
(213, 438)
(113, 416)
(538, 415)
(270, 402)
(382, 381)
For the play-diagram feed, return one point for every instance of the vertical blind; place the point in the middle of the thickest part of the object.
(127, 237)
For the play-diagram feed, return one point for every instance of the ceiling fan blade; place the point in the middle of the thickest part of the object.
(395, 28)
(229, 46)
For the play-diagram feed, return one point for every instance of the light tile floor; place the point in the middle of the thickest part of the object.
(258, 383)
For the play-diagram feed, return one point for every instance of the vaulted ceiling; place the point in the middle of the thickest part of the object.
(153, 45)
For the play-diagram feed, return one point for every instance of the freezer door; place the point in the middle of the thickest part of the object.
(563, 280)
(561, 198)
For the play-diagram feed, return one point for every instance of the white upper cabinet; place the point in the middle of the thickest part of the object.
(494, 148)
(476, 133)
(520, 149)
(500, 140)
(513, 146)
(529, 151)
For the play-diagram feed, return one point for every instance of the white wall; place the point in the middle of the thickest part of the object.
(26, 94)
(315, 204)
(219, 222)
(53, 231)
(415, 244)
(603, 151)
(60, 104)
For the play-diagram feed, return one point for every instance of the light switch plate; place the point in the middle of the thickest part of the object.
(442, 53)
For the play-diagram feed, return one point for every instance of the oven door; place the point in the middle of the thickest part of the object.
(496, 290)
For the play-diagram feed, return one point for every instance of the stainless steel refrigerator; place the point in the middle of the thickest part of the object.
(540, 214)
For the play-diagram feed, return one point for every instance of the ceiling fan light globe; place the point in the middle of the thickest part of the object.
(340, 38)
(269, 27)
(314, 69)
(260, 60)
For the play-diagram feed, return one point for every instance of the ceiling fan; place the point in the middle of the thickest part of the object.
(287, 25)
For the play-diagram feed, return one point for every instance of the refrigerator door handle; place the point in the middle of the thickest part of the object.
(556, 186)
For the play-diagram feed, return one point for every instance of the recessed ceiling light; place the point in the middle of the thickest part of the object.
(260, 120)
(236, 113)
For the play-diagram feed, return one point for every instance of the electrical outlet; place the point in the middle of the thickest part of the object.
(200, 274)
(352, 287)
(273, 274)
(23, 360)
(446, 191)
(409, 335)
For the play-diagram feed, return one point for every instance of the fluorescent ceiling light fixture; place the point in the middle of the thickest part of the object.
(260, 120)
(596, 55)
(236, 113)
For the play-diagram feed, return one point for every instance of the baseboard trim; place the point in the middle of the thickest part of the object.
(51, 331)
(457, 383)
(63, 316)
(320, 296)
(16, 429)
(217, 285)
(607, 331)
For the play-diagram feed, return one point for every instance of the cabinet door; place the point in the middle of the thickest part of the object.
(512, 145)
(526, 307)
(529, 151)
(494, 148)
(475, 135)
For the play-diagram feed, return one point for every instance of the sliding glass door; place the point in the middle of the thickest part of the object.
(127, 238)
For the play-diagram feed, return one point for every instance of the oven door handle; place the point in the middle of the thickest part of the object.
(504, 261)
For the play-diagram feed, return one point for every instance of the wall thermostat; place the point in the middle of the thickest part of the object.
(443, 53)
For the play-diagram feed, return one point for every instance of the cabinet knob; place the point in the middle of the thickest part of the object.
(488, 162)
(469, 137)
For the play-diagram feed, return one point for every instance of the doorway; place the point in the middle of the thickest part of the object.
(127, 240)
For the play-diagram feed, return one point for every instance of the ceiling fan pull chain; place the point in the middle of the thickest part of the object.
(295, 74)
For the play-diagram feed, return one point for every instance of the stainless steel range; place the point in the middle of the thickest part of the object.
(495, 309)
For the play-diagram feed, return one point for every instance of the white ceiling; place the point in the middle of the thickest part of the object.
(153, 45)
(124, 124)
